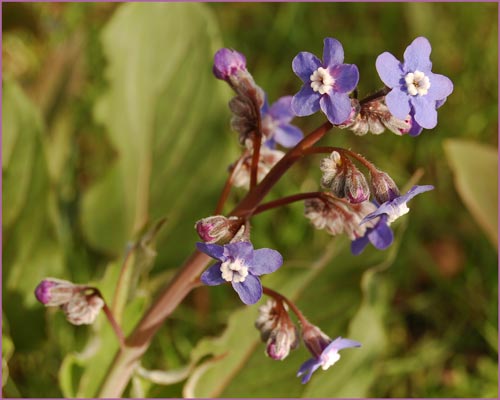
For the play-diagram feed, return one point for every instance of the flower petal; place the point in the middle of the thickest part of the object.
(425, 112)
(250, 290)
(359, 244)
(398, 103)
(304, 64)
(341, 343)
(288, 135)
(441, 88)
(389, 69)
(281, 110)
(346, 77)
(307, 369)
(381, 235)
(306, 102)
(333, 52)
(213, 275)
(241, 250)
(213, 250)
(336, 106)
(417, 56)
(410, 194)
(265, 261)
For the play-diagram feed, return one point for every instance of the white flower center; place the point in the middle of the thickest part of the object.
(322, 81)
(234, 270)
(327, 360)
(417, 83)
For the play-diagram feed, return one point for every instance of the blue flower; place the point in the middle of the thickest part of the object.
(276, 123)
(328, 356)
(241, 265)
(326, 84)
(380, 235)
(415, 89)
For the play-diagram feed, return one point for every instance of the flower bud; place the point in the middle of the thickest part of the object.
(55, 292)
(277, 330)
(356, 187)
(383, 187)
(334, 174)
(217, 228)
(228, 63)
(82, 309)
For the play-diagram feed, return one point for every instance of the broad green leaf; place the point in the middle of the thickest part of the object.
(161, 115)
(475, 166)
(32, 250)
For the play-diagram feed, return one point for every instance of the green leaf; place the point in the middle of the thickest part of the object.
(29, 208)
(475, 166)
(159, 121)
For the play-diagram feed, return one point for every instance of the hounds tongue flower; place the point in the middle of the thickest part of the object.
(415, 89)
(326, 83)
(239, 264)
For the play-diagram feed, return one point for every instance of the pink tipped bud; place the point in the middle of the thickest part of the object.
(356, 187)
(334, 174)
(277, 330)
(227, 63)
(383, 187)
(55, 292)
(217, 228)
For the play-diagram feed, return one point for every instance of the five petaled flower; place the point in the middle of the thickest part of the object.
(276, 123)
(328, 356)
(380, 235)
(241, 265)
(326, 84)
(415, 89)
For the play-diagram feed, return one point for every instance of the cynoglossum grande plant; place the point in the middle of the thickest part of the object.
(361, 205)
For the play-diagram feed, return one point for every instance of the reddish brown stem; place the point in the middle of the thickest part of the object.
(116, 328)
(287, 200)
(257, 140)
(225, 193)
(279, 297)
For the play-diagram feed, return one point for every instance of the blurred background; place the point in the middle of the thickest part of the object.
(112, 121)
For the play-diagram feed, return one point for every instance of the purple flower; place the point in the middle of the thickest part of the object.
(276, 123)
(380, 236)
(227, 63)
(415, 89)
(241, 265)
(326, 84)
(395, 208)
(329, 355)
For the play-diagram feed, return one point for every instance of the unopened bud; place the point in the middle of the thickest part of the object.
(356, 187)
(277, 330)
(228, 63)
(217, 228)
(54, 292)
(383, 187)
(334, 174)
(83, 308)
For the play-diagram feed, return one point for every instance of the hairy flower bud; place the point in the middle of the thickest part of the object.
(82, 309)
(383, 187)
(217, 228)
(54, 292)
(356, 187)
(277, 330)
(228, 63)
(334, 174)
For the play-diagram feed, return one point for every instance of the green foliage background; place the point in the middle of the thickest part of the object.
(112, 120)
